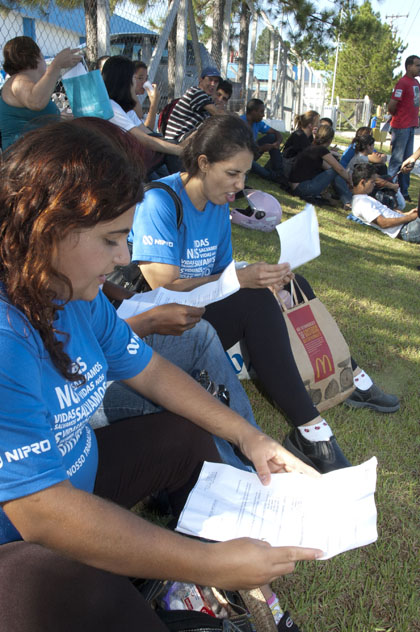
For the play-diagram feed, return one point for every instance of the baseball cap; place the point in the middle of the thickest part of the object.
(210, 71)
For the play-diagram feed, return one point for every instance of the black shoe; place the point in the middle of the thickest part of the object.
(324, 456)
(286, 624)
(373, 398)
(407, 198)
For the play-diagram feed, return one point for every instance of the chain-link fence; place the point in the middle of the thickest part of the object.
(165, 37)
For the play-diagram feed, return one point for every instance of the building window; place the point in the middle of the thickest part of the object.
(29, 28)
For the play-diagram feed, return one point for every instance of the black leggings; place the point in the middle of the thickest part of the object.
(255, 316)
(42, 591)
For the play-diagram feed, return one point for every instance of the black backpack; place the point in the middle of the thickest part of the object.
(130, 277)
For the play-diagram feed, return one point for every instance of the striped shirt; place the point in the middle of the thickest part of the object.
(188, 113)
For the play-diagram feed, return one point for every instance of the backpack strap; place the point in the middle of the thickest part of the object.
(156, 184)
(130, 276)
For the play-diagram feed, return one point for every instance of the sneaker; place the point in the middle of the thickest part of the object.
(407, 198)
(286, 624)
(324, 456)
(373, 398)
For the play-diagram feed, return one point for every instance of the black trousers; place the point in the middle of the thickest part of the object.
(42, 591)
(254, 315)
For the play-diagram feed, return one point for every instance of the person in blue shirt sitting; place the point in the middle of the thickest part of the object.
(68, 542)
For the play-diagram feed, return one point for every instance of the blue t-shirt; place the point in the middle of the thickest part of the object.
(257, 128)
(45, 435)
(200, 247)
(348, 155)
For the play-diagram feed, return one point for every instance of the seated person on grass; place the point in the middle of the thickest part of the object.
(273, 169)
(375, 158)
(372, 212)
(223, 94)
(316, 168)
(144, 87)
(305, 126)
(364, 147)
(325, 120)
(194, 106)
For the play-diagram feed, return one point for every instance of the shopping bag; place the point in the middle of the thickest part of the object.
(320, 351)
(88, 95)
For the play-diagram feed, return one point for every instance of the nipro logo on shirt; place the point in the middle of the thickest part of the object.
(398, 93)
(149, 241)
(134, 345)
(25, 450)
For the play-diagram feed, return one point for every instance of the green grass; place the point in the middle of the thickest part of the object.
(370, 284)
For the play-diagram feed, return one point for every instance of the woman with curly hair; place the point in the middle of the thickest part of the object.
(68, 543)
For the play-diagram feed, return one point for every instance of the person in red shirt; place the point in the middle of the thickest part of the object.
(404, 107)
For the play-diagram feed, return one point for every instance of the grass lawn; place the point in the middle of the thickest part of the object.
(370, 284)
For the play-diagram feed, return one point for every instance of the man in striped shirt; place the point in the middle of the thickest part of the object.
(194, 106)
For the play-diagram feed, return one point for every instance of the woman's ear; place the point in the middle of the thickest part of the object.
(203, 163)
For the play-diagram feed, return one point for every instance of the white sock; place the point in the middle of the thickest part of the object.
(362, 381)
(316, 432)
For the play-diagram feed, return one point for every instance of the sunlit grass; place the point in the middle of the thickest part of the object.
(370, 283)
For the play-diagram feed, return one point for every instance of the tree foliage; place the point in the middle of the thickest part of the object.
(368, 55)
(262, 50)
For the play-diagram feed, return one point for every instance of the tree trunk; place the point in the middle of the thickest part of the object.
(91, 33)
(217, 33)
(172, 61)
(244, 20)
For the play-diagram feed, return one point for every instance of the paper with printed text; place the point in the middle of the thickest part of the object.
(334, 513)
(200, 296)
(299, 238)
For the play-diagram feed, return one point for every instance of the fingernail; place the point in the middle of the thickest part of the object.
(319, 555)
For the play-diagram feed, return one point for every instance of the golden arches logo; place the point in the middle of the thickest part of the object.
(322, 362)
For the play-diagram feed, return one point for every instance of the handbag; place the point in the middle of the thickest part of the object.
(130, 277)
(320, 351)
(236, 611)
(87, 94)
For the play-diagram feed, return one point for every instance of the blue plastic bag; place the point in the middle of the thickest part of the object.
(88, 95)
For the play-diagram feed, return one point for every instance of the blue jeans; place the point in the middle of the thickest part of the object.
(197, 348)
(411, 231)
(274, 166)
(402, 142)
(314, 187)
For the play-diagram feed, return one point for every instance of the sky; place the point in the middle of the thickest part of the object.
(408, 29)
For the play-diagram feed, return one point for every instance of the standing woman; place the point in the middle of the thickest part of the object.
(26, 96)
(217, 159)
(68, 544)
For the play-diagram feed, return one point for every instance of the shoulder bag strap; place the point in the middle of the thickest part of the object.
(175, 198)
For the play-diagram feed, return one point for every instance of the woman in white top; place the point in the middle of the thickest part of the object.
(118, 75)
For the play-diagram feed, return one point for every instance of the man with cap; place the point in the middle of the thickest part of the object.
(194, 106)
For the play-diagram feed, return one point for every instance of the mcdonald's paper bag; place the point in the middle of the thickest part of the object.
(321, 353)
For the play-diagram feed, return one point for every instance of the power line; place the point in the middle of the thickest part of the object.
(415, 17)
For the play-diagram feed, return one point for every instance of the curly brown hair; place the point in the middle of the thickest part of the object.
(63, 177)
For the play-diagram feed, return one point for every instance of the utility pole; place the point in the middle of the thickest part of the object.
(392, 19)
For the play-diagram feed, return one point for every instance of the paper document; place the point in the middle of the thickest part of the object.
(299, 238)
(201, 296)
(334, 513)
(76, 71)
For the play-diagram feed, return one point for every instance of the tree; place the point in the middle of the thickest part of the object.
(367, 58)
(262, 51)
(244, 22)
